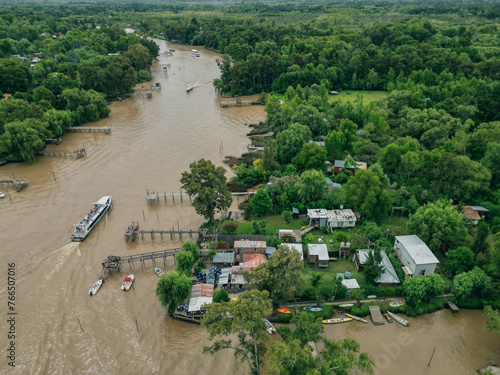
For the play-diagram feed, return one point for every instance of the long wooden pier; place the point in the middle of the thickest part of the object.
(240, 103)
(114, 263)
(77, 154)
(155, 198)
(18, 184)
(377, 318)
(89, 129)
(133, 232)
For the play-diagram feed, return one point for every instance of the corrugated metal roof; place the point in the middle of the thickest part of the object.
(248, 243)
(318, 249)
(223, 258)
(237, 279)
(317, 213)
(350, 283)
(195, 304)
(417, 249)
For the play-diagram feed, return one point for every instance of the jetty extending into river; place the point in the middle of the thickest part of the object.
(240, 103)
(132, 232)
(377, 318)
(114, 263)
(77, 154)
(154, 198)
(90, 129)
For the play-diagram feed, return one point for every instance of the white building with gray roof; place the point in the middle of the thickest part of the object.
(416, 257)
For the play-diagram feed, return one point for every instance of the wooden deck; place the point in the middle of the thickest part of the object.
(183, 315)
(376, 315)
(114, 263)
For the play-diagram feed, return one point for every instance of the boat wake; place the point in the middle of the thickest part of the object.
(61, 257)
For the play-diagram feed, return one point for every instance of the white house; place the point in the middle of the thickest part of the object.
(416, 257)
(341, 219)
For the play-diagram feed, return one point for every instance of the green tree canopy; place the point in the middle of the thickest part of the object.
(365, 192)
(438, 224)
(243, 320)
(280, 276)
(290, 141)
(312, 156)
(459, 260)
(172, 289)
(185, 262)
(261, 203)
(208, 184)
(311, 186)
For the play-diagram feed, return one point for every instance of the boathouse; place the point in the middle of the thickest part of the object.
(416, 257)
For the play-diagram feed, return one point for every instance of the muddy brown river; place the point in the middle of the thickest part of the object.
(152, 142)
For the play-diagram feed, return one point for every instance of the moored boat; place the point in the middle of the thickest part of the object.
(95, 288)
(269, 327)
(2, 195)
(388, 318)
(127, 282)
(357, 318)
(336, 320)
(85, 226)
(195, 53)
(189, 88)
(346, 305)
(398, 319)
(159, 272)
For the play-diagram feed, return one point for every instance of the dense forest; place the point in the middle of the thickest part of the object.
(433, 137)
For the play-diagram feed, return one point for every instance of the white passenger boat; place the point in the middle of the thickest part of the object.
(127, 282)
(189, 88)
(85, 226)
(95, 288)
(195, 53)
(2, 195)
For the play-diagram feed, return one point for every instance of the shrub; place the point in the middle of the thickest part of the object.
(230, 227)
(287, 216)
(221, 296)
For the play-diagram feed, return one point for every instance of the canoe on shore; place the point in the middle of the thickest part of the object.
(336, 320)
(398, 319)
(357, 318)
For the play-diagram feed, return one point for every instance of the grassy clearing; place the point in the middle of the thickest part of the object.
(334, 267)
(274, 222)
(352, 95)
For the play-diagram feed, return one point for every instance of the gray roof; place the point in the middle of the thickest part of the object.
(223, 258)
(479, 208)
(318, 249)
(270, 250)
(417, 249)
(389, 275)
(317, 213)
(295, 246)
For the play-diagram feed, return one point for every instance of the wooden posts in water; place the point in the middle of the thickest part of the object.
(239, 103)
(88, 129)
(18, 184)
(133, 229)
(78, 154)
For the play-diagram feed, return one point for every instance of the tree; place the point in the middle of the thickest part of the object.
(13, 76)
(208, 184)
(414, 290)
(459, 260)
(373, 267)
(474, 282)
(434, 286)
(192, 248)
(261, 203)
(493, 323)
(480, 244)
(185, 262)
(244, 321)
(221, 296)
(289, 142)
(311, 186)
(438, 225)
(23, 139)
(316, 281)
(312, 156)
(280, 276)
(139, 56)
(491, 161)
(368, 194)
(172, 289)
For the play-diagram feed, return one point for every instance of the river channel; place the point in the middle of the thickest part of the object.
(61, 330)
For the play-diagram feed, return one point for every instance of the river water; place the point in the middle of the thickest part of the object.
(152, 142)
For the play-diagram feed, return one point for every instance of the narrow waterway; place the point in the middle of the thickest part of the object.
(152, 142)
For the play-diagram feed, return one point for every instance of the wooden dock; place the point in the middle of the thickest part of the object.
(18, 184)
(114, 263)
(376, 315)
(398, 319)
(240, 103)
(132, 235)
(184, 315)
(77, 154)
(88, 129)
(154, 198)
(454, 309)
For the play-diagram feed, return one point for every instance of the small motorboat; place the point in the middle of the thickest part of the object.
(2, 195)
(127, 282)
(269, 327)
(159, 272)
(388, 318)
(346, 305)
(189, 88)
(95, 288)
(336, 320)
(172, 50)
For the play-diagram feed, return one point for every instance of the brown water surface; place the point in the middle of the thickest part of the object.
(152, 142)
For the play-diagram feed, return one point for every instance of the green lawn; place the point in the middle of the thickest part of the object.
(274, 222)
(334, 267)
(352, 95)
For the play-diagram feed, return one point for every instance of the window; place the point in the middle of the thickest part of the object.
(422, 273)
